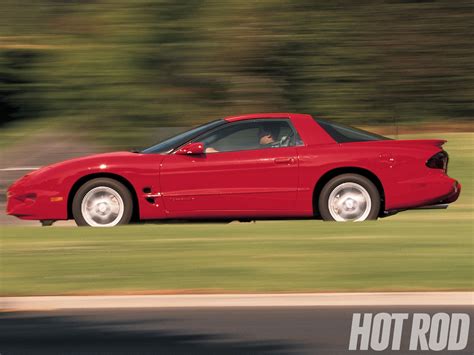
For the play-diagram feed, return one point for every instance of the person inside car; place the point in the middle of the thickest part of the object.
(266, 138)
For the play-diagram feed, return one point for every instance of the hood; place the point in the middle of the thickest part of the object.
(89, 161)
(102, 157)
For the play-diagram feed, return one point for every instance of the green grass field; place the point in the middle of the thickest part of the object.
(415, 250)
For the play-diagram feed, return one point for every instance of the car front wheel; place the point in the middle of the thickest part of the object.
(349, 198)
(102, 202)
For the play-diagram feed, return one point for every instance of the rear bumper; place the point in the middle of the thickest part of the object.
(436, 194)
(446, 200)
(454, 195)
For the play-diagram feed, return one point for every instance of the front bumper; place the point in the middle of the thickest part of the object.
(36, 204)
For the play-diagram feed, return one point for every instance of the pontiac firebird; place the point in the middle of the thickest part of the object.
(258, 166)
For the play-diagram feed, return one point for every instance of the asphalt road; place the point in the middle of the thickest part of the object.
(255, 330)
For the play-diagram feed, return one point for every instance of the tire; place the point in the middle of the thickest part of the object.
(349, 197)
(102, 202)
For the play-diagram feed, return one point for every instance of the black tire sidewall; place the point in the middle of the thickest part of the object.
(111, 183)
(358, 179)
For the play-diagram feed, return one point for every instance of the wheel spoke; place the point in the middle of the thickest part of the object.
(349, 201)
(102, 207)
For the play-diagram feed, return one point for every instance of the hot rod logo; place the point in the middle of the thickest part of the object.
(437, 332)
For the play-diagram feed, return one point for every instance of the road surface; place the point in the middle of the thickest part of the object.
(217, 330)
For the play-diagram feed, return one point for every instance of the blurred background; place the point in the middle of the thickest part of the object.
(83, 76)
(118, 70)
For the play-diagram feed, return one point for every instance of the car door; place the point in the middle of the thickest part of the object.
(241, 178)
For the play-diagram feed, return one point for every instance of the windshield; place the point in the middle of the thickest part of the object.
(345, 134)
(172, 143)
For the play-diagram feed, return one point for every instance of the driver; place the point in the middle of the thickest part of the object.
(267, 138)
(268, 135)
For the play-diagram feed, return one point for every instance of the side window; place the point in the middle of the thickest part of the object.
(250, 135)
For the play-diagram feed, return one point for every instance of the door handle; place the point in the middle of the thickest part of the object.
(284, 160)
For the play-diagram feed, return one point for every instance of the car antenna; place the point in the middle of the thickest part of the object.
(395, 124)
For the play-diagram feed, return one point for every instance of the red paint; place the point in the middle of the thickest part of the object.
(276, 182)
(236, 183)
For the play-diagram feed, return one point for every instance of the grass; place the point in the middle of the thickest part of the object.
(260, 257)
(416, 250)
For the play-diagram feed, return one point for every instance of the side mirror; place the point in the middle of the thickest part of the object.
(191, 149)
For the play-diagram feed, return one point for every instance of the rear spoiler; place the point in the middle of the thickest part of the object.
(433, 142)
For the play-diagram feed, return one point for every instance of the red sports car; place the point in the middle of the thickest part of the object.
(258, 166)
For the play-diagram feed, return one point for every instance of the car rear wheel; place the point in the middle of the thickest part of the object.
(349, 198)
(102, 202)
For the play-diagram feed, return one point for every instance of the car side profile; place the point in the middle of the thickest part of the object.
(257, 166)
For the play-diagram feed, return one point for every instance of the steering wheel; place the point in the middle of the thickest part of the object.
(286, 140)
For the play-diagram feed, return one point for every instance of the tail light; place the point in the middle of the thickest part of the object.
(438, 161)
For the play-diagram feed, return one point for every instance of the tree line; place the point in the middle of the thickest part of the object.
(172, 62)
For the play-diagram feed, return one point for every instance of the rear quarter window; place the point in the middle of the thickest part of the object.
(345, 134)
